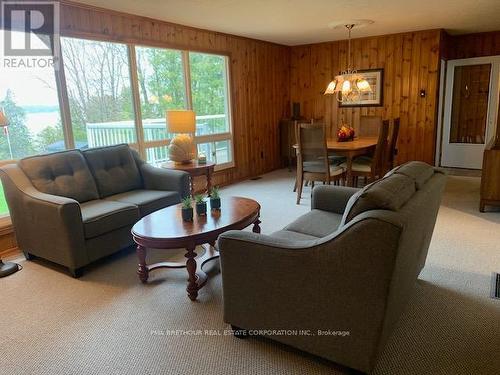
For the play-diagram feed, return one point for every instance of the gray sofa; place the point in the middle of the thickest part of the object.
(74, 207)
(346, 268)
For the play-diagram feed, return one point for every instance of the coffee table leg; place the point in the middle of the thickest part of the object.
(256, 226)
(192, 287)
(142, 271)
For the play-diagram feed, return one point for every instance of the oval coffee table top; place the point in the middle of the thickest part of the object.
(165, 227)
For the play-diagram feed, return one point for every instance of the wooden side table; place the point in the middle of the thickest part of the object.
(194, 169)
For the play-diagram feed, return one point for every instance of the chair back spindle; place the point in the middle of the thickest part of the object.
(313, 154)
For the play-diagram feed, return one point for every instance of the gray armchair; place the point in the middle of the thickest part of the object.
(75, 207)
(336, 279)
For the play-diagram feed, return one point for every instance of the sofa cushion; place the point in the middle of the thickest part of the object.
(62, 173)
(147, 200)
(114, 169)
(389, 193)
(294, 236)
(316, 223)
(419, 171)
(102, 216)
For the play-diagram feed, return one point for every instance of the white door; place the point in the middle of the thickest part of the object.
(470, 113)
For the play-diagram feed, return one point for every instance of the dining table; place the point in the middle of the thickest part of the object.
(350, 149)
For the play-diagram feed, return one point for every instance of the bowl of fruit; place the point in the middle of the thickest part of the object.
(345, 133)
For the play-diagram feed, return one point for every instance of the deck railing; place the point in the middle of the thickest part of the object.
(115, 132)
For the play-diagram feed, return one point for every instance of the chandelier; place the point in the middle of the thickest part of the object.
(348, 85)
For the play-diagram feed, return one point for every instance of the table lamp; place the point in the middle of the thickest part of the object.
(183, 123)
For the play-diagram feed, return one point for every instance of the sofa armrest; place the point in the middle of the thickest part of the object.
(325, 284)
(46, 225)
(262, 240)
(165, 179)
(332, 198)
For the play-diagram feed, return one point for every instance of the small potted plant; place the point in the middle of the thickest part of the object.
(187, 209)
(215, 198)
(201, 204)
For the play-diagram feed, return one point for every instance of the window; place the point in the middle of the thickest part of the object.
(218, 152)
(209, 91)
(29, 99)
(161, 75)
(4, 210)
(161, 81)
(99, 92)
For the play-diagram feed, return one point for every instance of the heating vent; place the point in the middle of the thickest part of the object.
(495, 285)
(255, 178)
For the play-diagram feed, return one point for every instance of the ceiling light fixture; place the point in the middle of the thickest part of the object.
(348, 84)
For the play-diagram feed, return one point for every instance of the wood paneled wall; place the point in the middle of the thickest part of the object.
(259, 76)
(410, 62)
(471, 45)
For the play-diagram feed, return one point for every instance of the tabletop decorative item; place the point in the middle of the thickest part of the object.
(345, 133)
(202, 159)
(182, 123)
(187, 209)
(215, 198)
(201, 204)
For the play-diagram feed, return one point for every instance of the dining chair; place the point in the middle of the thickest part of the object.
(312, 158)
(369, 126)
(371, 168)
(334, 159)
(392, 144)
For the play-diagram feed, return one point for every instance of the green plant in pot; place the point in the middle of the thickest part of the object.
(187, 209)
(201, 204)
(215, 199)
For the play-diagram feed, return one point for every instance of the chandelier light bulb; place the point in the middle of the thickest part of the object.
(346, 87)
(363, 85)
(330, 89)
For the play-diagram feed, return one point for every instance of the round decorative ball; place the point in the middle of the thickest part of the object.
(181, 149)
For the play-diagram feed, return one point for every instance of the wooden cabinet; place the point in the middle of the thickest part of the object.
(490, 180)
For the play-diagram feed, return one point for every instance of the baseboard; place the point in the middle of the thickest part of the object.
(8, 243)
(10, 253)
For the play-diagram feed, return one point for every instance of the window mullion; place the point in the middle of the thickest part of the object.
(136, 99)
(187, 79)
(187, 85)
(62, 95)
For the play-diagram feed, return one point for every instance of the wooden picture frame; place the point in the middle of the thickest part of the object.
(370, 99)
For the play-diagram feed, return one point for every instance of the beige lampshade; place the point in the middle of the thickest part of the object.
(3, 119)
(181, 121)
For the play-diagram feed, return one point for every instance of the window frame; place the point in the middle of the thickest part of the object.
(141, 145)
(226, 136)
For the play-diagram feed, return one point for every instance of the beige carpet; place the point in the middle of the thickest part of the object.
(108, 323)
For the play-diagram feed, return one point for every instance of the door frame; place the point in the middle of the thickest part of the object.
(493, 99)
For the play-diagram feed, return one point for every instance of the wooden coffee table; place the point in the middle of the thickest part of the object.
(165, 229)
